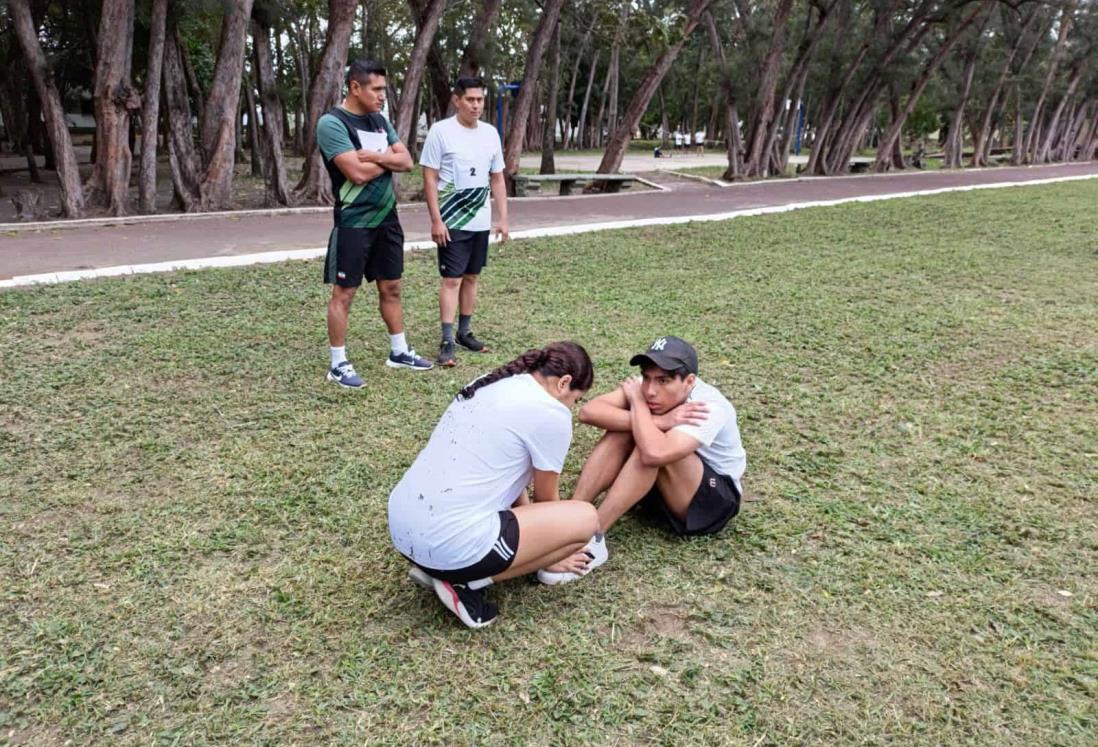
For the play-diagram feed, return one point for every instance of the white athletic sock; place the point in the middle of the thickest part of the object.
(480, 583)
(338, 354)
(398, 344)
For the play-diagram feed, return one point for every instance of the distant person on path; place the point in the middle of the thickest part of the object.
(672, 443)
(462, 163)
(462, 515)
(678, 140)
(699, 142)
(361, 150)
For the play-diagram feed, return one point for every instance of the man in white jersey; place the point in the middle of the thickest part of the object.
(671, 442)
(462, 163)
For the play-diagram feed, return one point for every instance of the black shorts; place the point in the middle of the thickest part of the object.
(716, 501)
(466, 254)
(373, 253)
(498, 559)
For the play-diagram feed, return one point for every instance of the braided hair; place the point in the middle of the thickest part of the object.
(555, 359)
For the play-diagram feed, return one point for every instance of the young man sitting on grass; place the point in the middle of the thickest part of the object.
(671, 443)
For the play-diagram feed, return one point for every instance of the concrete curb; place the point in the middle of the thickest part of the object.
(303, 254)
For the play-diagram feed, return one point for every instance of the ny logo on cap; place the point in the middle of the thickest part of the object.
(659, 344)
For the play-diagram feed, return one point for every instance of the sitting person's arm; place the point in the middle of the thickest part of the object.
(546, 486)
(656, 446)
(610, 412)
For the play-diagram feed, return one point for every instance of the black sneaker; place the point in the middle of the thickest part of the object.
(468, 341)
(446, 355)
(470, 606)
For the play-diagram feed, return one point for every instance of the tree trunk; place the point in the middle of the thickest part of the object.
(68, 174)
(955, 143)
(524, 103)
(581, 124)
(549, 138)
(221, 110)
(255, 147)
(619, 140)
(764, 99)
(409, 89)
(1053, 66)
(731, 116)
(324, 89)
(569, 122)
(475, 53)
(981, 144)
(438, 78)
(1041, 155)
(596, 129)
(181, 153)
(896, 128)
(115, 98)
(1018, 149)
(150, 115)
(278, 190)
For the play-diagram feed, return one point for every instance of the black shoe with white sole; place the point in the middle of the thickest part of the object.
(471, 606)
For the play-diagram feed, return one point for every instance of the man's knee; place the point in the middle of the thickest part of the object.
(587, 520)
(469, 280)
(388, 291)
(451, 283)
(341, 296)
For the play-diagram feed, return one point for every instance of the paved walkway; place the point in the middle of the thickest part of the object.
(79, 248)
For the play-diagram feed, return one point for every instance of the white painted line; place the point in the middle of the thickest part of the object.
(241, 260)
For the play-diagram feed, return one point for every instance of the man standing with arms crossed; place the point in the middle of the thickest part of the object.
(462, 162)
(361, 150)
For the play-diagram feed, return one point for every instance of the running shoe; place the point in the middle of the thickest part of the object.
(344, 374)
(409, 360)
(471, 606)
(598, 553)
(469, 342)
(446, 355)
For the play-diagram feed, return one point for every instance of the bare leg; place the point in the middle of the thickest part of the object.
(603, 465)
(339, 308)
(468, 295)
(550, 532)
(678, 482)
(448, 299)
(388, 292)
(632, 483)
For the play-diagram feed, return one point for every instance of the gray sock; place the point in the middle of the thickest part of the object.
(480, 583)
(464, 320)
(447, 331)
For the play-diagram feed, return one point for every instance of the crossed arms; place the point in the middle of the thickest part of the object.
(624, 409)
(361, 166)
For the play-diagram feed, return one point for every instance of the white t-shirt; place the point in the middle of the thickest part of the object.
(719, 435)
(464, 158)
(444, 511)
(699, 137)
(678, 138)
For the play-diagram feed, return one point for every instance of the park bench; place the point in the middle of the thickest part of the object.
(527, 183)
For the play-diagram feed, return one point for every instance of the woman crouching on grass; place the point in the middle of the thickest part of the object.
(461, 512)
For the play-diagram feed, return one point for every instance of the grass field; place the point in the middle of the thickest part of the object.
(195, 547)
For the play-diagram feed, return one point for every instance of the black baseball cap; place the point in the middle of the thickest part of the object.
(669, 353)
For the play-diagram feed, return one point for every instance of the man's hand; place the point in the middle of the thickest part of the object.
(440, 234)
(502, 232)
(368, 156)
(688, 413)
(631, 387)
(576, 563)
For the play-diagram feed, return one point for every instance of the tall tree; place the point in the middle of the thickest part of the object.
(548, 139)
(413, 75)
(619, 139)
(273, 130)
(150, 114)
(475, 53)
(68, 173)
(218, 128)
(527, 95)
(323, 95)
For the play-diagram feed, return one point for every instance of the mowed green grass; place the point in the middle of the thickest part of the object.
(195, 547)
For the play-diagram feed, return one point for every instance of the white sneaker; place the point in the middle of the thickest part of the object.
(599, 554)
